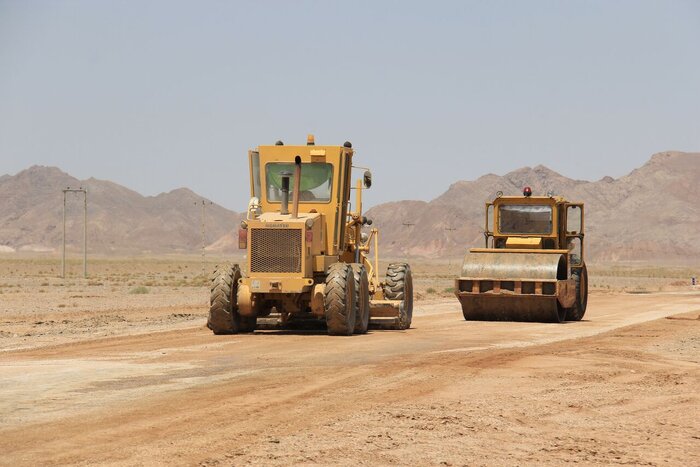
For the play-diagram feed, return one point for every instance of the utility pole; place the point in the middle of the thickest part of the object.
(406, 250)
(449, 258)
(63, 256)
(204, 203)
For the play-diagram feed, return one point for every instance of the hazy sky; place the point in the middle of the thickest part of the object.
(156, 95)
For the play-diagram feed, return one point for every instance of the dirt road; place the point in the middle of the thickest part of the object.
(620, 387)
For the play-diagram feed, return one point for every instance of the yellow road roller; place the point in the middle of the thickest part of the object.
(532, 267)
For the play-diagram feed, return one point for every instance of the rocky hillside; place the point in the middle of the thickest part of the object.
(653, 213)
(650, 214)
(119, 220)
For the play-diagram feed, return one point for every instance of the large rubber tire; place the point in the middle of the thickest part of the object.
(223, 312)
(576, 312)
(361, 298)
(399, 286)
(339, 300)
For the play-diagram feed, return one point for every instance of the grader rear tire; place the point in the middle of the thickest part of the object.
(361, 298)
(399, 286)
(223, 311)
(339, 300)
(576, 312)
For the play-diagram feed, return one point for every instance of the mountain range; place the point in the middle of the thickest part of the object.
(650, 214)
(120, 220)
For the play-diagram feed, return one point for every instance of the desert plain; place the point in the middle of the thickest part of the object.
(120, 369)
(162, 138)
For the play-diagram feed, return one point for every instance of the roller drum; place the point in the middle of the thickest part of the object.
(509, 286)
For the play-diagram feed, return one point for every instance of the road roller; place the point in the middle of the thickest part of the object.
(532, 267)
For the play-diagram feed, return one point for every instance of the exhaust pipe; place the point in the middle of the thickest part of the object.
(297, 185)
(284, 208)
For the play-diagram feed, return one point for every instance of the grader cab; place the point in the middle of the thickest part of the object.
(532, 268)
(307, 255)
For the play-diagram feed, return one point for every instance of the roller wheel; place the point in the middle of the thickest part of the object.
(576, 312)
(223, 311)
(339, 300)
(361, 298)
(399, 286)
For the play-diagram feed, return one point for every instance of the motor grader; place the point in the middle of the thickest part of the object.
(532, 267)
(309, 261)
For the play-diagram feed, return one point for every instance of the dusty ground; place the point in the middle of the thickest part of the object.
(126, 378)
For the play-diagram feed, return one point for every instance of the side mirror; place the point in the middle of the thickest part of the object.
(367, 178)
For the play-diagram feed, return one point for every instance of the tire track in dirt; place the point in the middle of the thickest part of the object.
(267, 397)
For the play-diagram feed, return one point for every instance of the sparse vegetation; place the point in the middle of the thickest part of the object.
(139, 290)
(432, 278)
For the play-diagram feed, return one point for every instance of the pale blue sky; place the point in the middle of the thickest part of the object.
(160, 94)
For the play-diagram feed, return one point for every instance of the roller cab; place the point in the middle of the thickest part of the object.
(532, 267)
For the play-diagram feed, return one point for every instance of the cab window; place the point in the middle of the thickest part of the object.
(316, 181)
(525, 219)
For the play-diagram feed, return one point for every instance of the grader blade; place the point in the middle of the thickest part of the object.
(387, 314)
(509, 286)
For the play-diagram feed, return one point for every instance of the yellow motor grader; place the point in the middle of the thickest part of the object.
(532, 268)
(309, 260)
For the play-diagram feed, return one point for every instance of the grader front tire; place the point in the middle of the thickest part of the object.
(339, 300)
(399, 286)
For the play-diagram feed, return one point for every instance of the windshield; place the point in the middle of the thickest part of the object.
(524, 219)
(316, 181)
